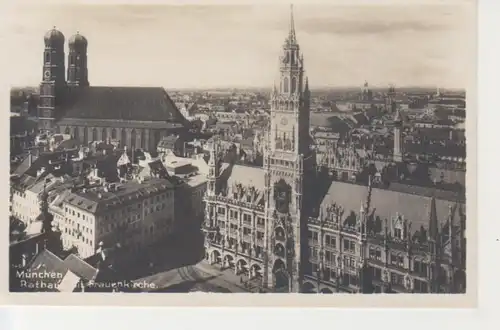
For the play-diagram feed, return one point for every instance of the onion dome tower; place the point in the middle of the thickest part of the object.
(53, 85)
(77, 61)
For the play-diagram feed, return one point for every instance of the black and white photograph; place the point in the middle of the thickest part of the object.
(267, 149)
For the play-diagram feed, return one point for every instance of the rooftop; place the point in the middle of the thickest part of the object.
(99, 200)
(122, 103)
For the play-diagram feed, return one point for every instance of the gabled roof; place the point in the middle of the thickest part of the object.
(122, 103)
(243, 181)
(80, 267)
(386, 204)
(48, 262)
(67, 272)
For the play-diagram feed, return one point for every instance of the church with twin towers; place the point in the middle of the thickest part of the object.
(134, 117)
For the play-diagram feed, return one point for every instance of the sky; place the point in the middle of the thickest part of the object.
(238, 46)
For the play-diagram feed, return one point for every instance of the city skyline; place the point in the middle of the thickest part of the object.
(400, 45)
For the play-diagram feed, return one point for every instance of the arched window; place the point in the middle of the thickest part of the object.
(132, 139)
(66, 131)
(85, 135)
(123, 139)
(143, 139)
(47, 57)
(294, 84)
(76, 133)
(157, 138)
(113, 133)
(104, 134)
(285, 85)
(94, 134)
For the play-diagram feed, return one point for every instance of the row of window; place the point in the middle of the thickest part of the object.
(78, 235)
(331, 241)
(281, 162)
(233, 214)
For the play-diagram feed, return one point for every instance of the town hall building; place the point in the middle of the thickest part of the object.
(255, 216)
(289, 227)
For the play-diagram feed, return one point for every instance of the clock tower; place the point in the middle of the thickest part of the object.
(288, 160)
(53, 85)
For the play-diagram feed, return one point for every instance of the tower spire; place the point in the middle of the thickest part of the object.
(291, 36)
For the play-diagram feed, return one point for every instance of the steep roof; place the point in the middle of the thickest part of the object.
(387, 203)
(122, 103)
(80, 267)
(48, 262)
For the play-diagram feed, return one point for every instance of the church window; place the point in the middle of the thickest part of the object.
(113, 133)
(294, 84)
(72, 60)
(85, 135)
(293, 58)
(47, 57)
(124, 137)
(285, 85)
(132, 139)
(143, 139)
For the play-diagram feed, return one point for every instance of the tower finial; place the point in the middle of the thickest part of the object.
(292, 25)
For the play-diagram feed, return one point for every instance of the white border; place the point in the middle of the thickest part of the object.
(488, 257)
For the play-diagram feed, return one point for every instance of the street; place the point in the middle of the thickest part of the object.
(200, 277)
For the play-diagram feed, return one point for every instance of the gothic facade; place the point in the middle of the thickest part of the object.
(290, 228)
(255, 217)
(373, 248)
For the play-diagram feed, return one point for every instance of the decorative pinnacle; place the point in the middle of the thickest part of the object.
(292, 26)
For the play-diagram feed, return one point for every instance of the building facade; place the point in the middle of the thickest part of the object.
(136, 116)
(255, 216)
(393, 242)
(134, 215)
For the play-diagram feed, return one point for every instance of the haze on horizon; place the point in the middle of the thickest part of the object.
(238, 46)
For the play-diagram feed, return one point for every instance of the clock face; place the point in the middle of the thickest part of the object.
(46, 74)
(284, 121)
